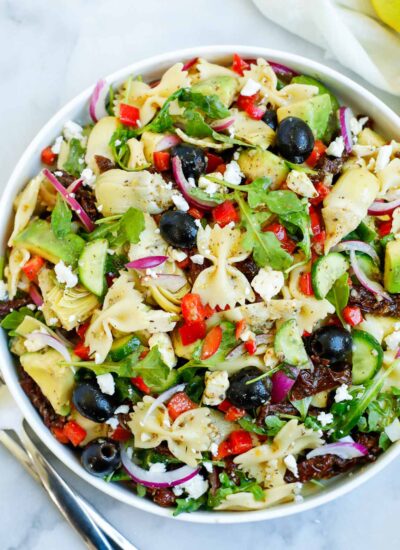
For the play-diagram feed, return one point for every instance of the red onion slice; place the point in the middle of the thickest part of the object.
(372, 286)
(379, 208)
(147, 262)
(184, 187)
(35, 295)
(156, 480)
(162, 398)
(342, 449)
(173, 283)
(73, 203)
(358, 246)
(74, 185)
(167, 142)
(345, 115)
(282, 384)
(282, 69)
(97, 105)
(48, 340)
(189, 64)
(222, 124)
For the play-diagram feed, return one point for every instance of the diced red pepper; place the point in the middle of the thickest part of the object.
(82, 329)
(180, 403)
(162, 160)
(225, 213)
(189, 64)
(315, 219)
(334, 321)
(256, 112)
(213, 161)
(305, 284)
(318, 242)
(306, 334)
(208, 311)
(82, 351)
(47, 156)
(191, 332)
(234, 413)
(192, 308)
(32, 267)
(59, 434)
(221, 168)
(281, 234)
(384, 228)
(239, 65)
(196, 213)
(317, 153)
(224, 450)
(240, 442)
(323, 191)
(211, 342)
(140, 384)
(352, 315)
(74, 432)
(240, 328)
(251, 346)
(129, 115)
(143, 354)
(184, 263)
(248, 104)
(120, 434)
(224, 406)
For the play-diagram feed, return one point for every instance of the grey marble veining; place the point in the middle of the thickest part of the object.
(50, 50)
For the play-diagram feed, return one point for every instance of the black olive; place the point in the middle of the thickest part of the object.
(331, 343)
(246, 394)
(193, 159)
(179, 229)
(294, 139)
(101, 457)
(92, 403)
(270, 118)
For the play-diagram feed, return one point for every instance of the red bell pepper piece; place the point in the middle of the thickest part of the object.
(305, 284)
(234, 413)
(316, 154)
(213, 161)
(240, 442)
(211, 342)
(192, 308)
(120, 434)
(323, 191)
(281, 234)
(140, 384)
(224, 450)
(162, 160)
(318, 242)
(129, 115)
(208, 311)
(224, 406)
(384, 228)
(248, 104)
(315, 219)
(240, 328)
(221, 168)
(352, 315)
(225, 213)
(239, 65)
(184, 263)
(251, 346)
(191, 332)
(47, 156)
(196, 213)
(74, 432)
(180, 403)
(82, 329)
(32, 267)
(59, 434)
(82, 351)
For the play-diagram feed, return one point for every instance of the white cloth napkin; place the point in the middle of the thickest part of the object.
(349, 30)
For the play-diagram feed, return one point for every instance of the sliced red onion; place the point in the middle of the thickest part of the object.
(345, 115)
(222, 124)
(358, 246)
(47, 340)
(167, 142)
(282, 69)
(282, 384)
(372, 286)
(189, 64)
(74, 185)
(73, 203)
(241, 349)
(397, 354)
(35, 295)
(162, 398)
(156, 480)
(342, 449)
(184, 187)
(173, 283)
(147, 262)
(379, 208)
(97, 105)
(62, 338)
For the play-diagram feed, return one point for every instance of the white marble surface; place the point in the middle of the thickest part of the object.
(50, 51)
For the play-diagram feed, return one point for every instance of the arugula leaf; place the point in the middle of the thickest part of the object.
(141, 490)
(155, 373)
(257, 191)
(12, 321)
(283, 202)
(229, 487)
(200, 194)
(147, 457)
(120, 148)
(75, 161)
(265, 246)
(125, 230)
(302, 405)
(115, 262)
(189, 504)
(163, 121)
(249, 424)
(339, 296)
(194, 383)
(210, 105)
(194, 124)
(61, 218)
(274, 425)
(381, 412)
(227, 343)
(299, 221)
(384, 441)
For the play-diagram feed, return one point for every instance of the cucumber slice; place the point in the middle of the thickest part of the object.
(367, 356)
(325, 271)
(122, 347)
(369, 267)
(289, 346)
(366, 231)
(92, 264)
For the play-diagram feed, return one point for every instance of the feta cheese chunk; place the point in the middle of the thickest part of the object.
(165, 347)
(106, 383)
(177, 255)
(268, 282)
(357, 125)
(325, 418)
(342, 394)
(336, 148)
(291, 465)
(250, 88)
(383, 158)
(3, 291)
(233, 173)
(180, 202)
(88, 177)
(65, 275)
(393, 430)
(392, 341)
(217, 383)
(194, 488)
(157, 468)
(56, 147)
(197, 259)
(72, 130)
(208, 186)
(300, 183)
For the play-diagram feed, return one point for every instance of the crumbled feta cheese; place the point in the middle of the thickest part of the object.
(32, 307)
(250, 88)
(157, 231)
(56, 147)
(197, 259)
(97, 358)
(53, 321)
(110, 251)
(195, 487)
(157, 468)
(191, 182)
(72, 130)
(268, 282)
(247, 335)
(152, 272)
(34, 344)
(165, 347)
(342, 394)
(208, 466)
(113, 422)
(180, 202)
(233, 173)
(72, 318)
(177, 255)
(197, 222)
(300, 183)
(291, 465)
(393, 430)
(122, 409)
(129, 452)
(357, 125)
(325, 418)
(363, 150)
(383, 158)
(88, 177)
(177, 490)
(336, 148)
(208, 186)
(106, 383)
(392, 341)
(298, 498)
(214, 449)
(236, 155)
(65, 274)
(58, 173)
(3, 291)
(216, 384)
(100, 207)
(117, 142)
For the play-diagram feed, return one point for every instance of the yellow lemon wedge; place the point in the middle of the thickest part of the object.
(389, 12)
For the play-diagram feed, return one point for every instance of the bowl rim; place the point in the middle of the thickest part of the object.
(16, 182)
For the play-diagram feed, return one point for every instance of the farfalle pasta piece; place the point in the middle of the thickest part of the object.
(389, 179)
(222, 284)
(262, 315)
(18, 258)
(25, 206)
(98, 143)
(123, 311)
(150, 242)
(240, 502)
(137, 160)
(205, 69)
(187, 437)
(254, 132)
(118, 190)
(203, 142)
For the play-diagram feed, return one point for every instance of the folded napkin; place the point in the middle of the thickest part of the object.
(349, 30)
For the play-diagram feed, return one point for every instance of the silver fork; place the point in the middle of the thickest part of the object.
(94, 529)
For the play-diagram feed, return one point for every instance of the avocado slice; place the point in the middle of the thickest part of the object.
(316, 111)
(55, 380)
(391, 276)
(39, 239)
(225, 87)
(255, 163)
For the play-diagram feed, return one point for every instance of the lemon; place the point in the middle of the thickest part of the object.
(389, 12)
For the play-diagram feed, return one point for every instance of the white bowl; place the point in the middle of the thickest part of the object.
(351, 94)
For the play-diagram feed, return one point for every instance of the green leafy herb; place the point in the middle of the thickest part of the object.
(228, 342)
(380, 413)
(155, 373)
(210, 105)
(118, 475)
(2, 263)
(194, 383)
(274, 425)
(75, 161)
(147, 457)
(384, 441)
(229, 487)
(283, 202)
(302, 405)
(195, 125)
(125, 230)
(140, 490)
(189, 504)
(339, 296)
(249, 424)
(115, 262)
(257, 191)
(12, 321)
(120, 148)
(265, 246)
(300, 168)
(299, 222)
(200, 194)
(163, 121)
(124, 389)
(61, 218)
